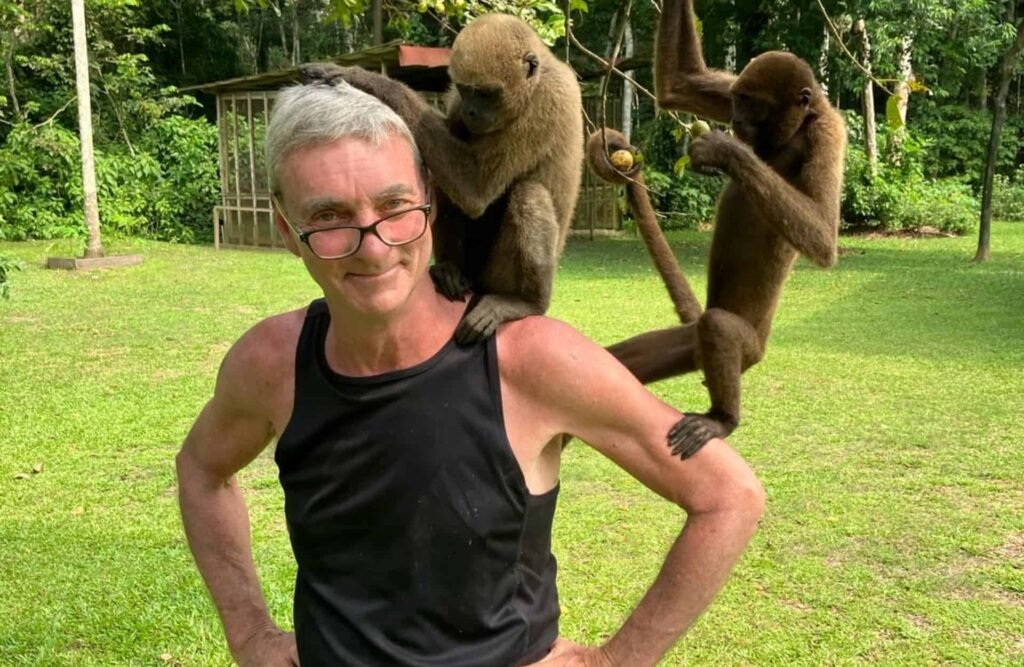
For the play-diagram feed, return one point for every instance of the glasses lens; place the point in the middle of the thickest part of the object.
(403, 228)
(331, 243)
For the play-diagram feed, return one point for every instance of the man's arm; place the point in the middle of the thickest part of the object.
(575, 386)
(229, 433)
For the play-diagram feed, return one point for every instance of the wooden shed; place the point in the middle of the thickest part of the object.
(243, 219)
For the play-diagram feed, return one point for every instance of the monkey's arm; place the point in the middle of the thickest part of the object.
(453, 163)
(809, 219)
(471, 183)
(406, 102)
(681, 79)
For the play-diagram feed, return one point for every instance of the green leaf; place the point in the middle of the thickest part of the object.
(892, 112)
(680, 166)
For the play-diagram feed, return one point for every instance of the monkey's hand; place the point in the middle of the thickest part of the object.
(714, 153)
(405, 101)
(450, 281)
(489, 312)
(694, 431)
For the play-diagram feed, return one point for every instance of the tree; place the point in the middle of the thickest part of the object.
(1007, 66)
(868, 99)
(94, 245)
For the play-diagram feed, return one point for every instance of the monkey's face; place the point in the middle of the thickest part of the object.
(766, 124)
(481, 107)
(495, 65)
(352, 183)
(770, 101)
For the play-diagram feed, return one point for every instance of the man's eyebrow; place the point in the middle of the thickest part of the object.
(320, 203)
(393, 191)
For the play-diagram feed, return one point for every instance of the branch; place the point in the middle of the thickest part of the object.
(853, 58)
(605, 64)
(55, 113)
(620, 32)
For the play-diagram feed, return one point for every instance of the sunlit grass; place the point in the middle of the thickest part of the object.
(885, 423)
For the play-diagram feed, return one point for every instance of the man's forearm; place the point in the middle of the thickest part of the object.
(217, 526)
(695, 569)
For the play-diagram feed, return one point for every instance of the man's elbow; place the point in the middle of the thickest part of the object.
(743, 498)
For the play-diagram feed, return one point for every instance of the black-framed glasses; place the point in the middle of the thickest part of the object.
(336, 242)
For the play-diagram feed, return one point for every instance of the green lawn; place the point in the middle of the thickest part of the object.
(886, 423)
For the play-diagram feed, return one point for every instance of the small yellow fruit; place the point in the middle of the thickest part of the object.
(699, 128)
(622, 160)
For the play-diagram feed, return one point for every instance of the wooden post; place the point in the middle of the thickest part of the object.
(94, 245)
(222, 167)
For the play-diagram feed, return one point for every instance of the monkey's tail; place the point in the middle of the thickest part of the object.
(687, 306)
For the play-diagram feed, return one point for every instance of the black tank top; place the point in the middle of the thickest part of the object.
(416, 539)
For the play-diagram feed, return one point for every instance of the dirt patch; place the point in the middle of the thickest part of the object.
(919, 622)
(798, 605)
(1012, 550)
(924, 232)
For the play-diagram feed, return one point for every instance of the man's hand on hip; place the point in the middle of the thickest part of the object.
(565, 653)
(270, 647)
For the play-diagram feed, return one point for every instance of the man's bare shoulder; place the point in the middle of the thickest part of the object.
(269, 344)
(259, 369)
(544, 348)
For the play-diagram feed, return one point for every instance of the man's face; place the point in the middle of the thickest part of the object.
(352, 182)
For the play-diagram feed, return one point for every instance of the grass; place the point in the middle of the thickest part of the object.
(885, 423)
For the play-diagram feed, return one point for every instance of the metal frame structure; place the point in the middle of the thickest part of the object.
(244, 217)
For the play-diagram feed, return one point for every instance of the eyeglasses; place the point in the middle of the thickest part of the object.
(394, 229)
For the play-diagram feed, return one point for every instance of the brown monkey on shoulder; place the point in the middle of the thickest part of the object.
(506, 156)
(785, 168)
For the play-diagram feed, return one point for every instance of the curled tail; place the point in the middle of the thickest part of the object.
(679, 290)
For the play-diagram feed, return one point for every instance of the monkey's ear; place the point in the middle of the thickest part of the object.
(532, 64)
(805, 97)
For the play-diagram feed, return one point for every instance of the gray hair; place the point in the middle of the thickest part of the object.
(318, 113)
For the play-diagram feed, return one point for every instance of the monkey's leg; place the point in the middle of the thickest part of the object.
(728, 346)
(661, 354)
(518, 276)
(449, 280)
(449, 232)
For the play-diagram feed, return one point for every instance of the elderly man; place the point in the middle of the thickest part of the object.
(420, 476)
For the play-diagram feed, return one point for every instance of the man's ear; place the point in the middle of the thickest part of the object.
(285, 232)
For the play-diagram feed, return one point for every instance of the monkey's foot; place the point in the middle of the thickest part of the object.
(450, 281)
(694, 431)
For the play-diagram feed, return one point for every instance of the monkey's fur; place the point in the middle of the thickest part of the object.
(507, 154)
(782, 200)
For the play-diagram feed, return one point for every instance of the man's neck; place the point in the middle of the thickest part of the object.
(358, 346)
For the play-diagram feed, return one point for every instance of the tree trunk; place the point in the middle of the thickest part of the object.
(378, 22)
(280, 29)
(296, 50)
(826, 42)
(868, 100)
(902, 94)
(627, 87)
(94, 245)
(1006, 69)
(181, 37)
(11, 86)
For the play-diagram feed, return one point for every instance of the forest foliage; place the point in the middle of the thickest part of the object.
(156, 147)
